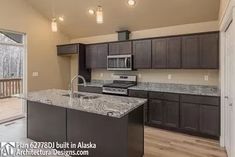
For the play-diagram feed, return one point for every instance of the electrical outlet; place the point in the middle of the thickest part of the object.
(139, 75)
(206, 77)
(35, 74)
(101, 74)
(169, 76)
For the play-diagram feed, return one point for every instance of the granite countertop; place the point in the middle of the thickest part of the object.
(167, 87)
(113, 106)
(178, 88)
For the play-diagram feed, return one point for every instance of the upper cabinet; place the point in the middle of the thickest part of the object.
(166, 53)
(67, 49)
(142, 54)
(200, 51)
(120, 48)
(96, 56)
(209, 51)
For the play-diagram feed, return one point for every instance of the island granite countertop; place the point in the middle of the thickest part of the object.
(113, 106)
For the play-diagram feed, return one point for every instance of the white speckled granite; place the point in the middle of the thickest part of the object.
(113, 106)
(178, 88)
(167, 87)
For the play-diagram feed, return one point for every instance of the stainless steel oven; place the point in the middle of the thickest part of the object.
(119, 62)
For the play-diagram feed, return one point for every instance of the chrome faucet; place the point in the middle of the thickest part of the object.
(72, 83)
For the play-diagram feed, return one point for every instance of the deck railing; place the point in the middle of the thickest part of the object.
(9, 87)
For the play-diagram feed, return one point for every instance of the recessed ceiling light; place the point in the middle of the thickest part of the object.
(91, 11)
(61, 18)
(131, 2)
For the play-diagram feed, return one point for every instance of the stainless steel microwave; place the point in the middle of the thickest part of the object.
(119, 62)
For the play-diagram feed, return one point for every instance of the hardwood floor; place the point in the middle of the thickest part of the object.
(158, 143)
(161, 143)
(10, 107)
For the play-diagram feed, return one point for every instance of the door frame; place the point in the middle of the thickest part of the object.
(25, 78)
(228, 17)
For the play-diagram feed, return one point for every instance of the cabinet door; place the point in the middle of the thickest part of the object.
(159, 51)
(120, 48)
(174, 52)
(142, 54)
(155, 111)
(171, 114)
(209, 51)
(91, 51)
(42, 125)
(190, 116)
(209, 120)
(190, 52)
(101, 56)
(67, 49)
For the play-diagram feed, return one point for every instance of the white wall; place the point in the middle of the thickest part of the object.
(178, 76)
(54, 72)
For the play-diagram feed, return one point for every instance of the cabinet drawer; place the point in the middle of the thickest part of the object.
(215, 101)
(164, 96)
(90, 89)
(138, 93)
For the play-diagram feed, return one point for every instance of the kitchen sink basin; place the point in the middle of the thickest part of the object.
(76, 95)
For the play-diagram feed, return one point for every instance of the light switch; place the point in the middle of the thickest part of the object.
(139, 75)
(206, 77)
(35, 74)
(169, 76)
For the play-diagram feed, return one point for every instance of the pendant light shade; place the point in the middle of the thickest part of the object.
(54, 27)
(99, 15)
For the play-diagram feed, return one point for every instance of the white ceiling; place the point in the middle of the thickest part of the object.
(117, 15)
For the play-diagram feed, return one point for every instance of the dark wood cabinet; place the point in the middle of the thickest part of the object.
(156, 112)
(42, 125)
(190, 52)
(164, 109)
(209, 51)
(90, 89)
(120, 48)
(96, 56)
(200, 114)
(141, 94)
(190, 117)
(142, 54)
(209, 120)
(200, 51)
(166, 53)
(67, 49)
(159, 53)
(174, 53)
(171, 114)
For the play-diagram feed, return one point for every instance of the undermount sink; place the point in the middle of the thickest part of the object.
(76, 95)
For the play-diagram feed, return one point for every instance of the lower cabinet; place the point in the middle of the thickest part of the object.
(162, 112)
(200, 114)
(209, 120)
(189, 116)
(141, 94)
(156, 111)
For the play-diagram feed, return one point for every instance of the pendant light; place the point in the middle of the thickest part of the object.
(99, 15)
(54, 27)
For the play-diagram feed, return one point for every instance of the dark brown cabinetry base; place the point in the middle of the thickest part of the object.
(191, 114)
(114, 137)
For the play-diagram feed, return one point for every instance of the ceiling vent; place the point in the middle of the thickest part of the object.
(123, 35)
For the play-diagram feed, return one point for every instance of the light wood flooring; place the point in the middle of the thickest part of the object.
(161, 143)
(10, 107)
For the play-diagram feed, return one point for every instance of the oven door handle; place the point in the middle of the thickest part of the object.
(125, 62)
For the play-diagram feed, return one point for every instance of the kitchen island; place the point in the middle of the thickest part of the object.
(113, 123)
